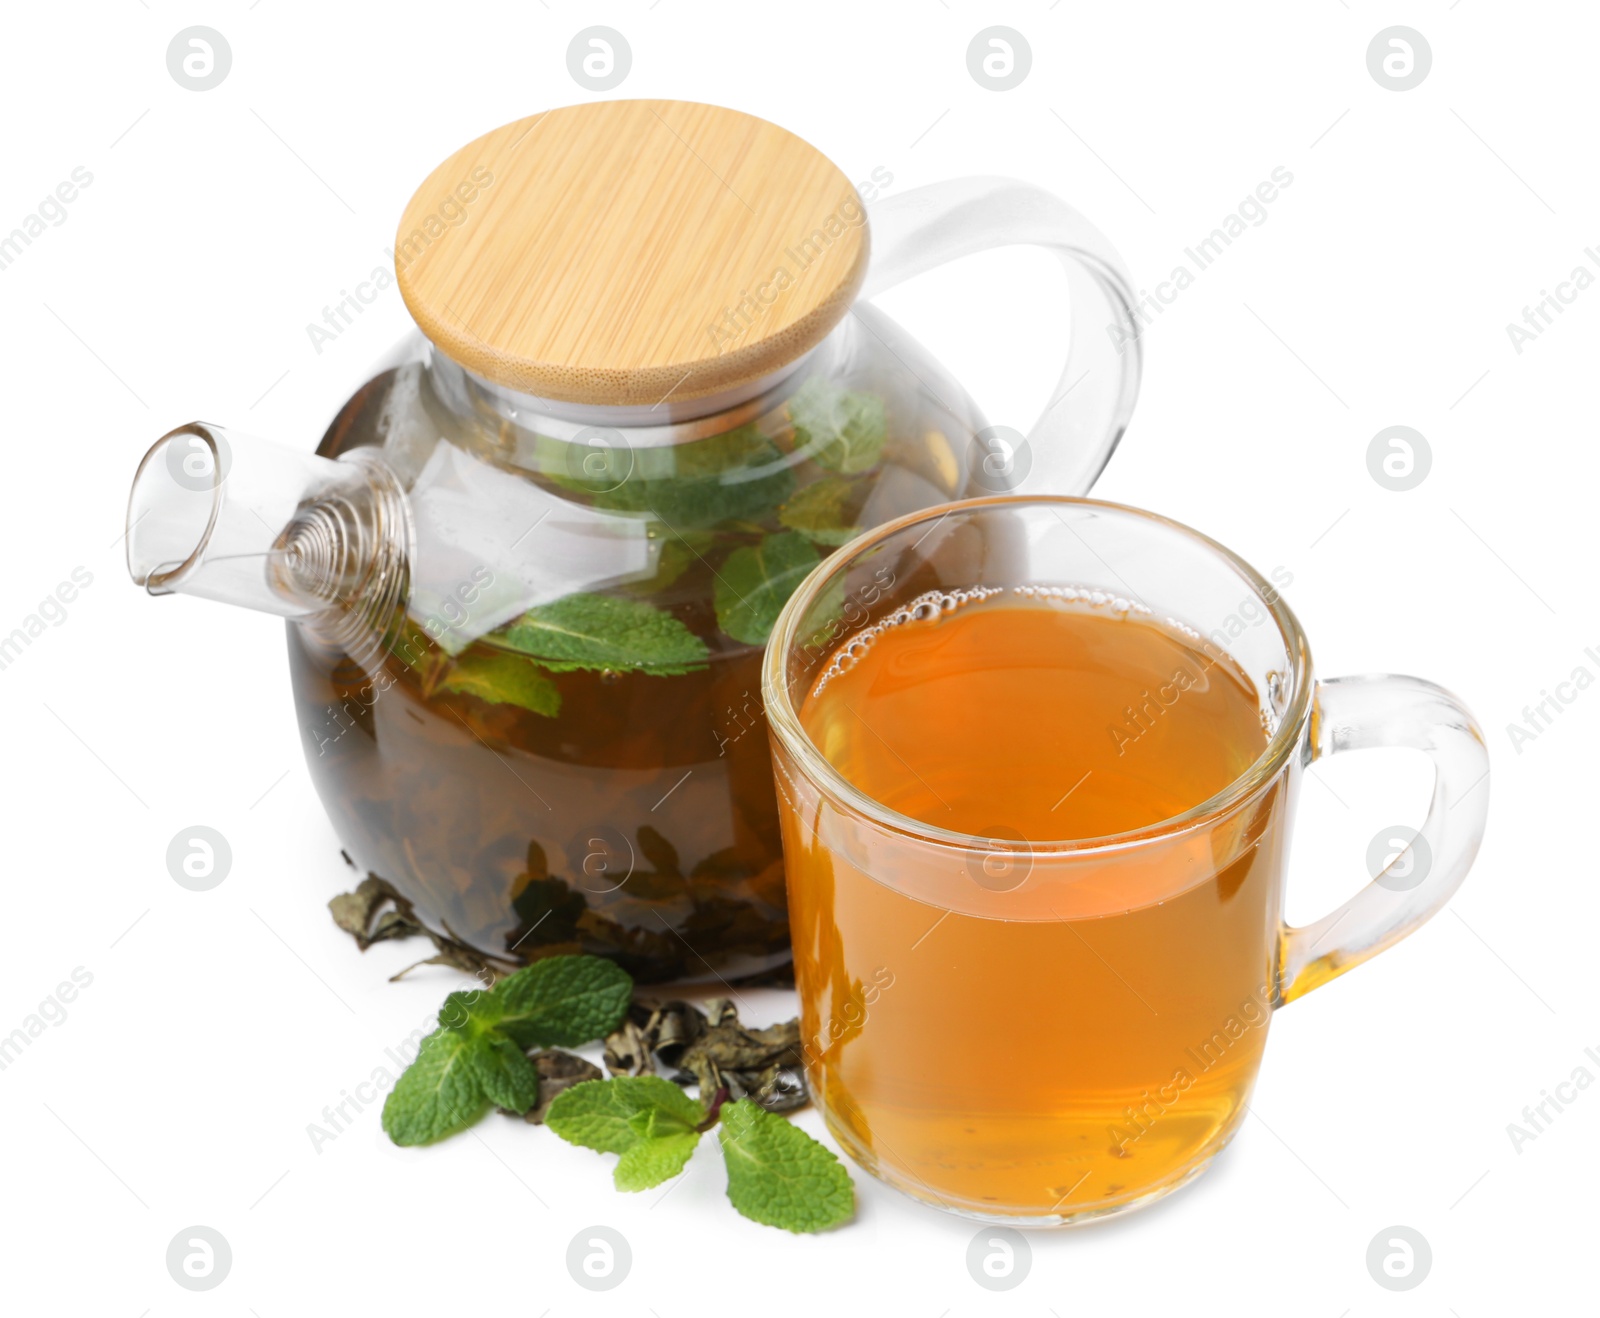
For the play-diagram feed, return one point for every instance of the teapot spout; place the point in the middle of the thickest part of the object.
(245, 521)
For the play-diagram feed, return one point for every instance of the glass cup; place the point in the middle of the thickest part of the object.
(1045, 1031)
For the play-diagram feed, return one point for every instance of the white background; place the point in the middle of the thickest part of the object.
(219, 224)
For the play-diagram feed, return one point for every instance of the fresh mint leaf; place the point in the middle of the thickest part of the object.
(439, 1094)
(739, 473)
(754, 582)
(652, 1123)
(503, 1072)
(817, 512)
(504, 679)
(603, 632)
(840, 429)
(560, 1002)
(650, 1162)
(612, 1116)
(778, 1175)
(470, 1010)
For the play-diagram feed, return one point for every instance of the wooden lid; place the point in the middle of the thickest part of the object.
(627, 251)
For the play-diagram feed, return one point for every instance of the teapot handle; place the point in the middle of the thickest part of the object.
(1070, 443)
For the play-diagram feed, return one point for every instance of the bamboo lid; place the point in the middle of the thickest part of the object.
(625, 252)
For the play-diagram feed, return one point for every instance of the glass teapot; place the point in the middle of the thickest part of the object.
(529, 571)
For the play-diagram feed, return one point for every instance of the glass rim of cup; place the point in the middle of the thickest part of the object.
(783, 718)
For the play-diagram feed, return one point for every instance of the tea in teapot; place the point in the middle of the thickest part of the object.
(529, 572)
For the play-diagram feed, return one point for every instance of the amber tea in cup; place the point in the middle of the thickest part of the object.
(1036, 762)
(1005, 718)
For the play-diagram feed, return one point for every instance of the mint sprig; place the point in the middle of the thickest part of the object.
(477, 1057)
(777, 1174)
(652, 1123)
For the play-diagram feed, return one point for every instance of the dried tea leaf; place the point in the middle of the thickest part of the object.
(629, 1046)
(733, 1047)
(395, 923)
(763, 1064)
(351, 912)
(711, 1050)
(777, 1089)
(375, 912)
(673, 1027)
(358, 913)
(558, 1072)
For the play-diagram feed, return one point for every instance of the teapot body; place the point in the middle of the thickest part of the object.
(557, 742)
(530, 571)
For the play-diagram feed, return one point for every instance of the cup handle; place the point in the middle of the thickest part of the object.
(1071, 441)
(1357, 713)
